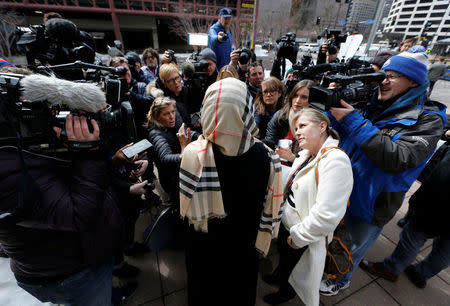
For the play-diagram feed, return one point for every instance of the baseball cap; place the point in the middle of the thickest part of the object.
(225, 12)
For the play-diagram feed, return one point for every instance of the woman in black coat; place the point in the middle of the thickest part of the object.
(169, 137)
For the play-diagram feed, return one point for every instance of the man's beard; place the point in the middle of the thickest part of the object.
(152, 66)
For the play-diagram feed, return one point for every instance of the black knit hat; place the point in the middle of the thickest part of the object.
(208, 54)
(381, 58)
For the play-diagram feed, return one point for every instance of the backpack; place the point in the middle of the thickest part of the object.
(338, 260)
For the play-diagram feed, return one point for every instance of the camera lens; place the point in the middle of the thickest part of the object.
(224, 36)
(244, 58)
(332, 49)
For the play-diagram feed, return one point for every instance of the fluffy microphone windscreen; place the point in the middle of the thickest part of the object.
(81, 96)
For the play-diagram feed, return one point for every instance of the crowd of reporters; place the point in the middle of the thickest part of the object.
(87, 203)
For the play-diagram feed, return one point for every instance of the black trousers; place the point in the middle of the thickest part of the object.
(289, 257)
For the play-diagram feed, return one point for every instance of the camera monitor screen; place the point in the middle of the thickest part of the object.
(198, 39)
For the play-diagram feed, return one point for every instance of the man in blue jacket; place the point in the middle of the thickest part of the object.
(388, 145)
(220, 39)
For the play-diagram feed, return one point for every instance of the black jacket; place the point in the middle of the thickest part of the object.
(166, 155)
(430, 203)
(252, 89)
(140, 103)
(276, 130)
(76, 224)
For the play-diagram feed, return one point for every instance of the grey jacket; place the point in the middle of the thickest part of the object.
(436, 71)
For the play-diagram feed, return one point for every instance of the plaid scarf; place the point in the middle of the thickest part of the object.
(227, 121)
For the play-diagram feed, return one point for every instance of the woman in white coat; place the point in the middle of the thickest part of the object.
(313, 208)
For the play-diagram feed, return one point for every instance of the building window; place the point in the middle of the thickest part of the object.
(440, 7)
(414, 29)
(231, 3)
(417, 22)
(437, 14)
(447, 22)
(407, 9)
(420, 15)
(425, 1)
(400, 29)
(410, 2)
(423, 8)
(405, 16)
(445, 30)
(402, 22)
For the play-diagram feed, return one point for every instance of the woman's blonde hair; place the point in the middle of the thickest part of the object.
(166, 70)
(271, 83)
(157, 107)
(230, 69)
(316, 117)
(287, 106)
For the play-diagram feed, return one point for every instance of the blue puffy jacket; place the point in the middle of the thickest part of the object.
(388, 151)
(222, 49)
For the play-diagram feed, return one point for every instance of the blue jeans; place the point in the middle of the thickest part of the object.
(90, 287)
(409, 246)
(363, 237)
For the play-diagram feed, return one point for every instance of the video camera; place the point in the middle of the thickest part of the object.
(57, 42)
(111, 79)
(45, 103)
(287, 48)
(334, 39)
(304, 69)
(356, 90)
(195, 72)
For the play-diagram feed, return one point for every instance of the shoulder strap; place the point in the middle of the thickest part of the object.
(322, 152)
(317, 166)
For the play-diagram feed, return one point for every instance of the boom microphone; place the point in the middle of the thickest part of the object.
(76, 96)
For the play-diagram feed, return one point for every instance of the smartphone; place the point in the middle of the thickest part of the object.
(137, 148)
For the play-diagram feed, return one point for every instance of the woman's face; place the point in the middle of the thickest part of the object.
(167, 117)
(173, 83)
(270, 95)
(405, 47)
(309, 134)
(300, 99)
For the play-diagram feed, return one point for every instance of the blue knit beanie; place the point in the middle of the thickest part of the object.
(412, 64)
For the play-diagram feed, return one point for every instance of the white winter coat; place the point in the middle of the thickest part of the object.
(317, 212)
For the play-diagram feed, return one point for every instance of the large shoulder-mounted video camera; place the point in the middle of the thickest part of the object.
(195, 72)
(36, 103)
(287, 48)
(334, 39)
(356, 90)
(57, 42)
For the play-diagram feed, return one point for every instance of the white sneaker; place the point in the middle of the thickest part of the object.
(328, 287)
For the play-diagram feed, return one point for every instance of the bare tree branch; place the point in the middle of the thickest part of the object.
(184, 25)
(8, 23)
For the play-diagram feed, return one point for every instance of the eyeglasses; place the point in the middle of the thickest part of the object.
(174, 80)
(271, 92)
(393, 77)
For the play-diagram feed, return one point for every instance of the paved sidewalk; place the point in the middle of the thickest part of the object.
(163, 278)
